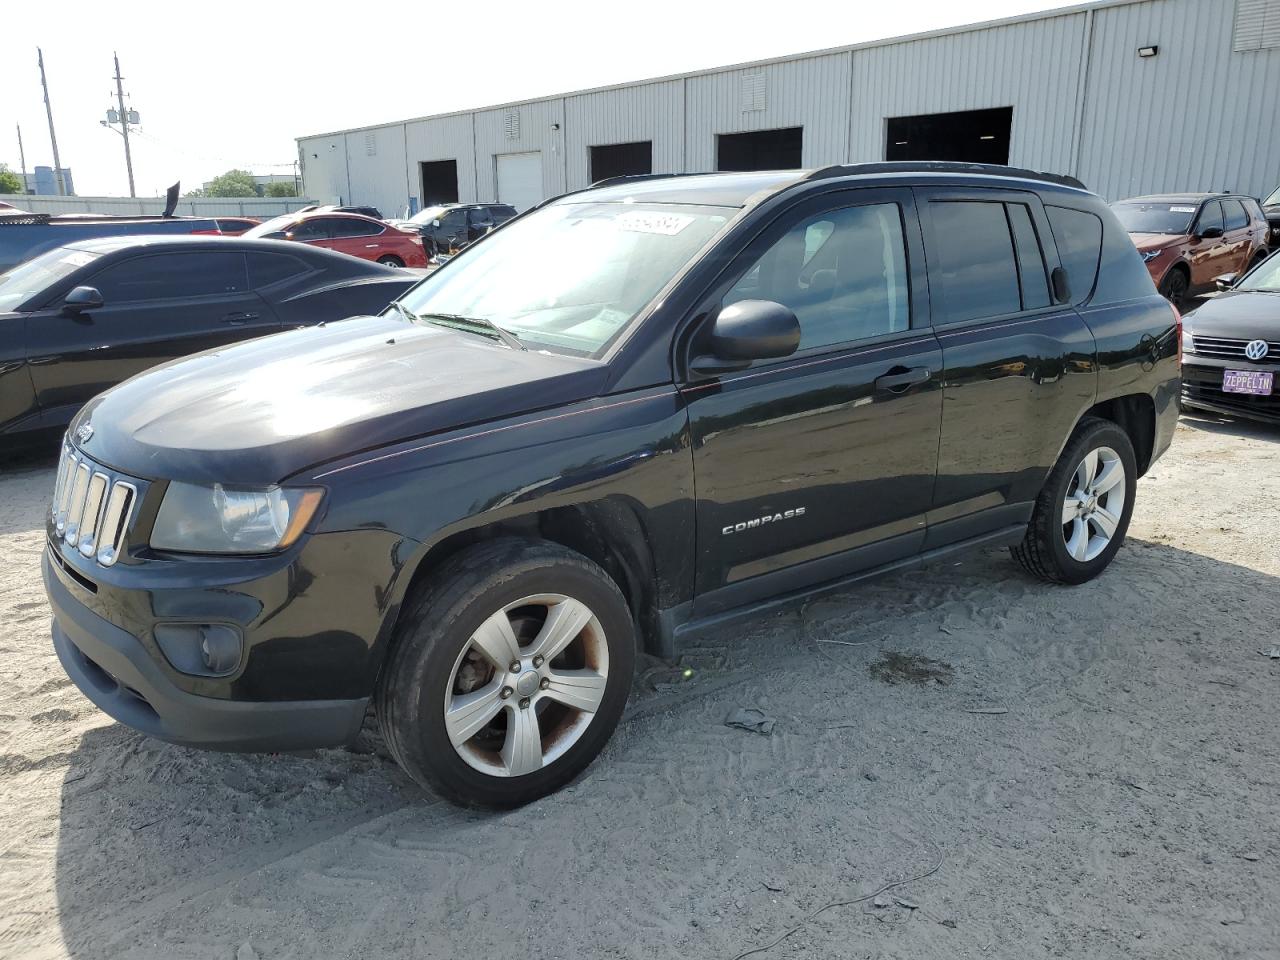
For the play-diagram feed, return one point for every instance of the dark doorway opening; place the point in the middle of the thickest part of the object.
(439, 182)
(761, 150)
(621, 160)
(968, 136)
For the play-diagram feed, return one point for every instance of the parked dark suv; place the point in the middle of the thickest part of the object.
(634, 413)
(452, 225)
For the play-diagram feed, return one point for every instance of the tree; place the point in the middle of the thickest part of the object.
(197, 192)
(10, 182)
(280, 188)
(233, 183)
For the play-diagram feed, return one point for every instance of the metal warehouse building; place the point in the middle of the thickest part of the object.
(1131, 96)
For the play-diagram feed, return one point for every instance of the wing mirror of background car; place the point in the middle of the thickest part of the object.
(1210, 233)
(745, 331)
(1061, 285)
(80, 299)
(1226, 281)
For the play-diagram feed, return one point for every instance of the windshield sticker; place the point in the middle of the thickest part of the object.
(1182, 209)
(79, 259)
(663, 224)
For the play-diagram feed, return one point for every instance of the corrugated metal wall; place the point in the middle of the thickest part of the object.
(1198, 116)
(1033, 67)
(812, 93)
(651, 111)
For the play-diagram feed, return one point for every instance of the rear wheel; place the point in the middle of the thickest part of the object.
(391, 261)
(1083, 511)
(1175, 285)
(508, 673)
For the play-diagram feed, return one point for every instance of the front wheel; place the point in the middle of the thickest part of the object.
(508, 672)
(1175, 286)
(1083, 511)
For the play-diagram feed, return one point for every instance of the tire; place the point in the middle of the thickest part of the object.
(1175, 286)
(391, 261)
(1079, 549)
(440, 659)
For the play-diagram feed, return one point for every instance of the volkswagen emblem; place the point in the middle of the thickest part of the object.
(84, 432)
(1256, 349)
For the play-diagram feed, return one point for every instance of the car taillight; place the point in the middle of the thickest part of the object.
(1177, 330)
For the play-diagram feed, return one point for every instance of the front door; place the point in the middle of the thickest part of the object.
(821, 464)
(1210, 256)
(155, 308)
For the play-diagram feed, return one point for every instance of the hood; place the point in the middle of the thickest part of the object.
(1238, 314)
(257, 412)
(1156, 241)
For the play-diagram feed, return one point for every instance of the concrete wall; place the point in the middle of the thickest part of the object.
(260, 207)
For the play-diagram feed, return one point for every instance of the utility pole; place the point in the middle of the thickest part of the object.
(53, 139)
(22, 159)
(124, 124)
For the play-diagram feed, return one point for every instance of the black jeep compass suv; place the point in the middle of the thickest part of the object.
(633, 412)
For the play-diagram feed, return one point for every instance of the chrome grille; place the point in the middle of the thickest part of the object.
(91, 507)
(1226, 348)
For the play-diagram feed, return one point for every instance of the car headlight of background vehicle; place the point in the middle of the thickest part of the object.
(1188, 341)
(218, 519)
(1149, 255)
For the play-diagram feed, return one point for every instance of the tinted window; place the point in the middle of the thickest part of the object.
(1234, 215)
(170, 275)
(1031, 271)
(1121, 275)
(317, 228)
(453, 220)
(501, 213)
(269, 268)
(1210, 216)
(479, 217)
(1079, 238)
(843, 273)
(1252, 208)
(351, 227)
(973, 262)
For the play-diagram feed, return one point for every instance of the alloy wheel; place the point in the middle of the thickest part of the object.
(527, 685)
(1094, 504)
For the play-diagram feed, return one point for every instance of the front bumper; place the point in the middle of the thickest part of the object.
(113, 669)
(1202, 389)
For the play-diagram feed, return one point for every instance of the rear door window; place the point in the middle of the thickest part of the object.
(351, 227)
(1234, 216)
(973, 261)
(170, 276)
(1078, 235)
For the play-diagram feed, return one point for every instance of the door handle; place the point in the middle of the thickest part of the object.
(372, 246)
(237, 319)
(901, 379)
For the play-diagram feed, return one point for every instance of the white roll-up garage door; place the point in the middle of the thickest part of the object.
(520, 179)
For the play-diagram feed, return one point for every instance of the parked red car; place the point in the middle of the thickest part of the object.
(235, 226)
(348, 233)
(1189, 239)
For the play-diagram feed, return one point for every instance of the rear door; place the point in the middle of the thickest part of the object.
(361, 238)
(1237, 235)
(155, 308)
(820, 464)
(1018, 367)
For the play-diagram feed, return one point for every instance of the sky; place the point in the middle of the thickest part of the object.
(233, 84)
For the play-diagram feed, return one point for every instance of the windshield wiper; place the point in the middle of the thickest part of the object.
(406, 312)
(478, 324)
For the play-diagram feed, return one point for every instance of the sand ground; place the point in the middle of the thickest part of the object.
(1124, 804)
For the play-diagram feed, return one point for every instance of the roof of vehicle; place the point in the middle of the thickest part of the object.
(741, 189)
(1182, 197)
(454, 206)
(114, 244)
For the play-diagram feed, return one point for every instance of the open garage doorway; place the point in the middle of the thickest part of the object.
(968, 136)
(439, 182)
(760, 150)
(621, 160)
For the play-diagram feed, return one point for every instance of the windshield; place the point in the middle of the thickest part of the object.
(570, 277)
(1266, 276)
(274, 225)
(27, 279)
(1174, 218)
(427, 214)
(1273, 200)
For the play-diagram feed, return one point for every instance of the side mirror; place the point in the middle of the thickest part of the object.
(81, 299)
(1226, 281)
(1210, 233)
(1061, 285)
(745, 331)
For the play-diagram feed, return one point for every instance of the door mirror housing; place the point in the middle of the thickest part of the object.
(81, 299)
(1210, 233)
(1061, 285)
(746, 331)
(1226, 281)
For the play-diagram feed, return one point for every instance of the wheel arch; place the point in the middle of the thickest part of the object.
(1135, 414)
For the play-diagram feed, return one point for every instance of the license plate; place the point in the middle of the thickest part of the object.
(1256, 382)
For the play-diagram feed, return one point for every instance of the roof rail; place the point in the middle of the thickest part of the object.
(22, 219)
(638, 177)
(943, 166)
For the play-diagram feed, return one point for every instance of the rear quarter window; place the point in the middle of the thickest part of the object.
(1100, 259)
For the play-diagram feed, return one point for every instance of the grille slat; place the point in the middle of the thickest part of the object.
(92, 507)
(1228, 348)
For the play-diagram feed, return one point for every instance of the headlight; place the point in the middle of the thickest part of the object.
(1149, 255)
(218, 519)
(1188, 342)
